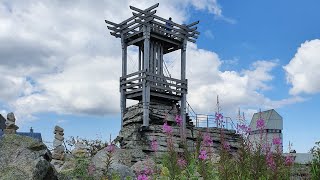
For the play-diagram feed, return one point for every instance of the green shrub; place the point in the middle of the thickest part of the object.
(315, 165)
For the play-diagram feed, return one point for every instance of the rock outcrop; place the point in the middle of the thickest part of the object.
(137, 140)
(25, 158)
(120, 163)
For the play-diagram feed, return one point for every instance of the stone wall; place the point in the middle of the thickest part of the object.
(137, 140)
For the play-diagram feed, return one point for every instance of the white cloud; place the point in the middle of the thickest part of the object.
(303, 69)
(211, 5)
(236, 89)
(58, 56)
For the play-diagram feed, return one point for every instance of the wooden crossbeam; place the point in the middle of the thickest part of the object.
(115, 34)
(165, 39)
(135, 41)
(129, 19)
(174, 29)
(139, 15)
(144, 17)
(192, 24)
(111, 23)
(148, 9)
(133, 34)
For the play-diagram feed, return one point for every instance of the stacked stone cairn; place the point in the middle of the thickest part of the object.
(58, 148)
(11, 127)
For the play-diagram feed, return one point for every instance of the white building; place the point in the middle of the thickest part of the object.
(273, 126)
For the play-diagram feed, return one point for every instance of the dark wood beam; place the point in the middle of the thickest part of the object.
(192, 24)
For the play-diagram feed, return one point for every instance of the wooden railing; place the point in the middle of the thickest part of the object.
(133, 82)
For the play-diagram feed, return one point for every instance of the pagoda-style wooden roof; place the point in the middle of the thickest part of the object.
(131, 29)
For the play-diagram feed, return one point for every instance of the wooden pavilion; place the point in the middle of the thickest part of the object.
(154, 36)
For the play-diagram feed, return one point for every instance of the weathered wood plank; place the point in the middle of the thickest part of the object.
(146, 10)
(146, 15)
(131, 74)
(167, 78)
(165, 39)
(137, 95)
(158, 60)
(173, 28)
(132, 28)
(167, 83)
(131, 80)
(133, 34)
(131, 86)
(166, 96)
(140, 59)
(173, 23)
(133, 91)
(116, 35)
(192, 24)
(166, 88)
(161, 60)
(135, 41)
(178, 35)
(112, 23)
(124, 27)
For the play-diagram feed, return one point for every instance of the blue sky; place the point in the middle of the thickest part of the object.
(64, 68)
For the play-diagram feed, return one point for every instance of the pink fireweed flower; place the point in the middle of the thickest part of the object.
(226, 146)
(182, 163)
(203, 155)
(179, 120)
(142, 177)
(154, 145)
(147, 171)
(289, 160)
(166, 128)
(219, 119)
(276, 141)
(218, 116)
(260, 123)
(110, 148)
(207, 140)
(270, 161)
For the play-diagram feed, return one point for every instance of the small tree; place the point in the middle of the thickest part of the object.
(315, 165)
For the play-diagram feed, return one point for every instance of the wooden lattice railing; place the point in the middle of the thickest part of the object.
(133, 83)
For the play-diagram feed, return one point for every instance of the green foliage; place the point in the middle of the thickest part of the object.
(169, 160)
(81, 169)
(315, 165)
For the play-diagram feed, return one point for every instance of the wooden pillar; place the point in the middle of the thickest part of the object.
(161, 59)
(158, 60)
(140, 59)
(123, 102)
(155, 45)
(183, 78)
(146, 85)
(151, 57)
